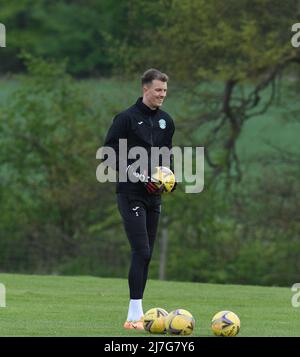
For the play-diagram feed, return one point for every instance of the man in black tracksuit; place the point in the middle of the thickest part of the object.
(145, 125)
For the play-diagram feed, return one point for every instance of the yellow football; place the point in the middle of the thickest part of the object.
(180, 322)
(225, 323)
(154, 320)
(164, 176)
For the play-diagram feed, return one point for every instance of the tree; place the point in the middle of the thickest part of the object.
(50, 132)
(79, 31)
(242, 46)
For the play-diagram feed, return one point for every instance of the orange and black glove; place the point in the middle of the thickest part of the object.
(151, 185)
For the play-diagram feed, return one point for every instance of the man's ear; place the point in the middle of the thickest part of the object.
(145, 88)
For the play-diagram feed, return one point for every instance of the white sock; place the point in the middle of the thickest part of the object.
(135, 310)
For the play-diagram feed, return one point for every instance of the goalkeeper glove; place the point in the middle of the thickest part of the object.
(152, 185)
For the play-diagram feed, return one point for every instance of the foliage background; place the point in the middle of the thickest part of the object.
(70, 66)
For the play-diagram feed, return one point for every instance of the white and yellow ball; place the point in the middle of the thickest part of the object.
(225, 323)
(180, 322)
(154, 320)
(164, 176)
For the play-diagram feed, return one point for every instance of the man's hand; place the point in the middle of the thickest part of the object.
(152, 185)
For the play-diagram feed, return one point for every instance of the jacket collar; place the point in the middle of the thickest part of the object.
(144, 108)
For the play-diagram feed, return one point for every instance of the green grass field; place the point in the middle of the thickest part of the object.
(38, 305)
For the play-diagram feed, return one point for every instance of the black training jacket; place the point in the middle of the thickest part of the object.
(141, 126)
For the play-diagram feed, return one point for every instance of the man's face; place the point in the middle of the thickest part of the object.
(154, 93)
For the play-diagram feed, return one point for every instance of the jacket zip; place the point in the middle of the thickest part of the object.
(151, 133)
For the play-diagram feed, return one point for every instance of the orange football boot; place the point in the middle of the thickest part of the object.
(134, 325)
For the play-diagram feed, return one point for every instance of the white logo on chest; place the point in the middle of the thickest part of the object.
(162, 123)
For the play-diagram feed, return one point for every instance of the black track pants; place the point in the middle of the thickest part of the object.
(140, 214)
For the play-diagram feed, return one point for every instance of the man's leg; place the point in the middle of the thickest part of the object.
(133, 213)
(152, 220)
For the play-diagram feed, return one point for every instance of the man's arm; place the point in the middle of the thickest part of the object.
(170, 145)
(118, 130)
